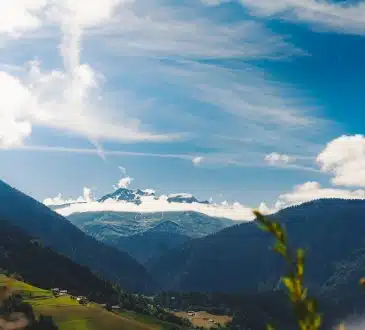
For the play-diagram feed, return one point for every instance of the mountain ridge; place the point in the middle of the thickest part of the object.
(242, 253)
(58, 233)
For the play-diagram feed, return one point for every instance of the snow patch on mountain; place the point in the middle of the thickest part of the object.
(152, 204)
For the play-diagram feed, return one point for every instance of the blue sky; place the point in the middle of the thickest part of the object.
(240, 100)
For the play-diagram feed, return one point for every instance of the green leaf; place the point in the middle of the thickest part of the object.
(270, 327)
(288, 282)
(300, 270)
(280, 248)
(317, 322)
(300, 254)
(304, 294)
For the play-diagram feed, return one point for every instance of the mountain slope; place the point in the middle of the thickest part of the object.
(57, 232)
(146, 235)
(106, 224)
(69, 314)
(41, 266)
(150, 244)
(332, 231)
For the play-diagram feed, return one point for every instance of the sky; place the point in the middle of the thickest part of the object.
(245, 101)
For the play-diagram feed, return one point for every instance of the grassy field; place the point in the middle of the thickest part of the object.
(202, 319)
(70, 315)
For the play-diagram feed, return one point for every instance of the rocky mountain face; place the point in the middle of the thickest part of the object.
(147, 235)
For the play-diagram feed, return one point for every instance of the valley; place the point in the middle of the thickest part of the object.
(172, 255)
(182, 165)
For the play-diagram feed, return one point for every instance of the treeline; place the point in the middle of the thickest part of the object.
(42, 267)
(249, 310)
(143, 305)
(25, 258)
(253, 311)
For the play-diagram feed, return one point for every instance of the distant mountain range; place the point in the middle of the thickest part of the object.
(58, 233)
(147, 235)
(190, 251)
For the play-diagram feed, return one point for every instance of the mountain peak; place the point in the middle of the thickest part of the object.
(184, 198)
(135, 196)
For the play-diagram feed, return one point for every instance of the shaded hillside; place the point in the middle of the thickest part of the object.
(150, 244)
(332, 231)
(41, 266)
(58, 233)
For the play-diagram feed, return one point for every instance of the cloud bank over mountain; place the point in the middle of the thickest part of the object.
(343, 158)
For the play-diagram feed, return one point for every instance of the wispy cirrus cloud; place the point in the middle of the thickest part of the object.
(275, 158)
(234, 105)
(183, 53)
(63, 99)
(344, 17)
(168, 30)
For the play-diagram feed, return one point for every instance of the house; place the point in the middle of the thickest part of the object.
(63, 292)
(82, 300)
(55, 292)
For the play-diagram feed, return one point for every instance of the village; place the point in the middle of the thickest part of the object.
(197, 318)
(82, 300)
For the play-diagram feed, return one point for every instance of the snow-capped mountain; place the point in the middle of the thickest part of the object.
(128, 195)
(136, 196)
(154, 230)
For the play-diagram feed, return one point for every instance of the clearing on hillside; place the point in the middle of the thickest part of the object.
(205, 319)
(68, 314)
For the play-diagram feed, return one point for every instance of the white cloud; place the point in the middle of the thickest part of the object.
(140, 35)
(278, 159)
(197, 160)
(68, 100)
(236, 211)
(124, 182)
(123, 170)
(15, 99)
(59, 200)
(157, 29)
(88, 197)
(312, 190)
(19, 16)
(344, 157)
(325, 15)
(250, 106)
(233, 211)
(55, 100)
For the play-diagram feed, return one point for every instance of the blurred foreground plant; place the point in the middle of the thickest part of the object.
(305, 307)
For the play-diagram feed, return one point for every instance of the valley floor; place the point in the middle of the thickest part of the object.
(204, 319)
